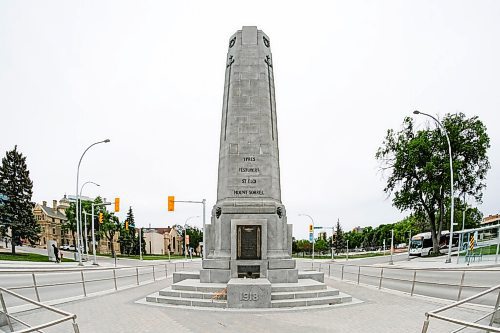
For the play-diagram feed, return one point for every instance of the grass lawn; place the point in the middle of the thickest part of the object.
(491, 249)
(150, 256)
(27, 257)
(351, 256)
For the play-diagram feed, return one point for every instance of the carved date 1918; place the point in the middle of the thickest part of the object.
(249, 297)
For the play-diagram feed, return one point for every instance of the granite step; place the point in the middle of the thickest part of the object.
(302, 285)
(187, 294)
(304, 294)
(196, 285)
(188, 302)
(302, 302)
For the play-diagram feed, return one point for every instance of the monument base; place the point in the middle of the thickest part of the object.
(244, 293)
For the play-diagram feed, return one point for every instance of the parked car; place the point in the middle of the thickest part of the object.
(66, 247)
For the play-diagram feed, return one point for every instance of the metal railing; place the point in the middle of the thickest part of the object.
(494, 314)
(8, 318)
(383, 277)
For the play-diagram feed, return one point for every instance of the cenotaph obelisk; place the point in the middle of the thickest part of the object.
(249, 235)
(248, 242)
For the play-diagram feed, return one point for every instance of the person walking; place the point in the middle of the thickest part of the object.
(56, 253)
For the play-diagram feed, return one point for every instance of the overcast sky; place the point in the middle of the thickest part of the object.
(149, 75)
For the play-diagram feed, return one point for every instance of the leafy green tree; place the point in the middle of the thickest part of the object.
(16, 211)
(321, 245)
(419, 170)
(109, 226)
(195, 236)
(70, 224)
(304, 245)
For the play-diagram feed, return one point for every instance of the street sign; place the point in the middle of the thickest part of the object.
(318, 227)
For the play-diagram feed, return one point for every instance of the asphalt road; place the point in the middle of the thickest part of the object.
(441, 283)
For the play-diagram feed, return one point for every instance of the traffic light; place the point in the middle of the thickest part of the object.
(101, 217)
(187, 239)
(117, 205)
(126, 225)
(310, 228)
(171, 200)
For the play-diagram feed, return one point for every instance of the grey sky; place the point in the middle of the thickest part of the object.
(149, 75)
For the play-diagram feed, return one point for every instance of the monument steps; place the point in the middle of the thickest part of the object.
(304, 294)
(196, 285)
(191, 302)
(301, 285)
(303, 302)
(188, 294)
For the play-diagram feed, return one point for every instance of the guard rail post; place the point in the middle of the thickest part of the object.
(166, 272)
(154, 278)
(461, 286)
(75, 326)
(413, 286)
(495, 316)
(6, 312)
(342, 276)
(114, 278)
(35, 286)
(329, 269)
(137, 274)
(381, 277)
(426, 324)
(83, 284)
(359, 272)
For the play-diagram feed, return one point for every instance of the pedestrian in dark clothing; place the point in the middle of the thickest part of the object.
(56, 253)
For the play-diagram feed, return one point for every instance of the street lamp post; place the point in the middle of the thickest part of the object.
(312, 222)
(448, 260)
(185, 233)
(391, 262)
(78, 231)
(80, 208)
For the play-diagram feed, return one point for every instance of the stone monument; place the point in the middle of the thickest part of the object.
(249, 235)
(248, 243)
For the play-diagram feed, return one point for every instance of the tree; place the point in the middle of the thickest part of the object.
(338, 238)
(16, 211)
(195, 236)
(419, 170)
(128, 239)
(321, 245)
(109, 226)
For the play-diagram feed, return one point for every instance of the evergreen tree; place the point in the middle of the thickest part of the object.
(338, 240)
(16, 211)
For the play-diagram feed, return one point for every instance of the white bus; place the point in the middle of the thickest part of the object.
(421, 244)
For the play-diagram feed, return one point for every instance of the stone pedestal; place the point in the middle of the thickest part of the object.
(249, 293)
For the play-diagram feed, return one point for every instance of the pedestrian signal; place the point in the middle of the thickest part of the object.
(171, 201)
(117, 205)
(187, 239)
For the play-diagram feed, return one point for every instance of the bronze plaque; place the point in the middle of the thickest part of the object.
(248, 244)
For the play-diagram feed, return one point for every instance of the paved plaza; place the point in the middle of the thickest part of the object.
(379, 311)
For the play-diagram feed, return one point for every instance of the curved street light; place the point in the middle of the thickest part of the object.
(312, 221)
(448, 260)
(78, 232)
(80, 208)
(185, 244)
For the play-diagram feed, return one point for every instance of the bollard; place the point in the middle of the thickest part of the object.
(166, 272)
(175, 267)
(35, 286)
(329, 270)
(154, 278)
(137, 274)
(359, 272)
(342, 277)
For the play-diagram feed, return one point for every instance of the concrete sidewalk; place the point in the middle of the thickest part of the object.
(381, 311)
